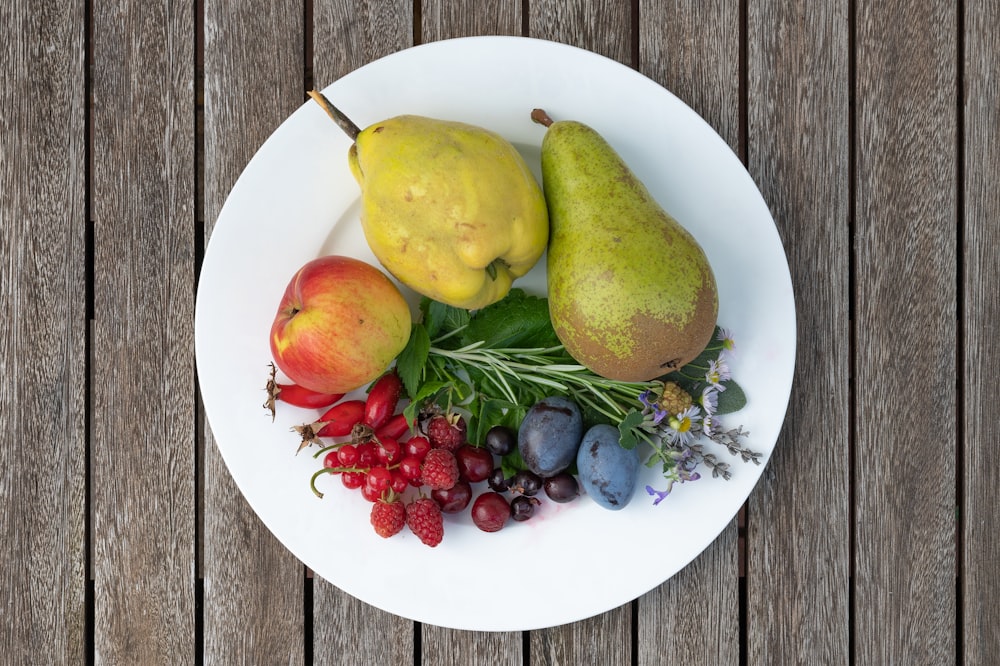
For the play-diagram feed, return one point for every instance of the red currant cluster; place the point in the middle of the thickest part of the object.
(382, 456)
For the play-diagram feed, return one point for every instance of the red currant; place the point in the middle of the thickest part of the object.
(331, 461)
(367, 454)
(353, 480)
(378, 478)
(417, 447)
(410, 467)
(390, 451)
(399, 482)
(371, 494)
(348, 455)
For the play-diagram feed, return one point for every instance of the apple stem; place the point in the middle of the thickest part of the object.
(540, 117)
(339, 117)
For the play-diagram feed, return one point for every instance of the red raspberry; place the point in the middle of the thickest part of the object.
(447, 432)
(439, 470)
(424, 519)
(388, 518)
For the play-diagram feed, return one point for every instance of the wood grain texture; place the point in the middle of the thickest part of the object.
(447, 19)
(43, 338)
(606, 28)
(253, 607)
(143, 393)
(347, 35)
(905, 310)
(692, 49)
(445, 647)
(604, 639)
(601, 26)
(798, 146)
(980, 514)
(347, 631)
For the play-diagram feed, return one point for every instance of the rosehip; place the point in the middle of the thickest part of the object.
(382, 400)
(341, 418)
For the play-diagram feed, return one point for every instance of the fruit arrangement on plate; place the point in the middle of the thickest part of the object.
(493, 400)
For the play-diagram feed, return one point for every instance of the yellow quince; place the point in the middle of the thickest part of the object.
(450, 209)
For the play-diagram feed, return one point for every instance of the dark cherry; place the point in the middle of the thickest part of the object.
(474, 463)
(490, 512)
(454, 499)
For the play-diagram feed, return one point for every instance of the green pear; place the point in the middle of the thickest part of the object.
(632, 295)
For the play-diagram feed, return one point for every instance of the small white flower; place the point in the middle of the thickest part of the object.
(718, 372)
(709, 400)
(728, 341)
(681, 428)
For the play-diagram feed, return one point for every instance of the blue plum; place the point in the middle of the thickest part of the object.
(550, 435)
(607, 471)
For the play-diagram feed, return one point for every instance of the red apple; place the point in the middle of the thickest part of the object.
(339, 325)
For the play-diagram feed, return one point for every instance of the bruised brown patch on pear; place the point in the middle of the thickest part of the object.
(661, 347)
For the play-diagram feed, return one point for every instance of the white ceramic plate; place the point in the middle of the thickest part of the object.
(297, 200)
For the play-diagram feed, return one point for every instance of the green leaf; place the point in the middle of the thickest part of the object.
(512, 463)
(420, 395)
(733, 399)
(491, 413)
(435, 314)
(517, 320)
(626, 429)
(410, 362)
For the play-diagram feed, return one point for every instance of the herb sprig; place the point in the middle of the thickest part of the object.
(496, 362)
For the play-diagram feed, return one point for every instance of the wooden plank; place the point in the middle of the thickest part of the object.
(905, 326)
(605, 28)
(798, 146)
(447, 19)
(43, 337)
(346, 36)
(143, 393)
(601, 26)
(253, 608)
(980, 513)
(605, 639)
(693, 49)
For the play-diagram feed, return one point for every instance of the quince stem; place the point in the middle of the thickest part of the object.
(339, 117)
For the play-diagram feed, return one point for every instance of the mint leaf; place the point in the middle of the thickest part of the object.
(434, 315)
(517, 320)
(410, 362)
(626, 429)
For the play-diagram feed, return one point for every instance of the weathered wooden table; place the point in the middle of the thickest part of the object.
(873, 132)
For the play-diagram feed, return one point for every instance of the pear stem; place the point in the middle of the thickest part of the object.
(540, 117)
(339, 117)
